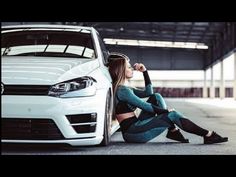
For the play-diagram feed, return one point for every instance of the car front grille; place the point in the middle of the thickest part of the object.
(83, 123)
(30, 129)
(26, 89)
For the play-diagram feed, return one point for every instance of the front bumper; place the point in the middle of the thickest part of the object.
(56, 110)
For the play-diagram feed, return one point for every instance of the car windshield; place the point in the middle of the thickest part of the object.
(48, 42)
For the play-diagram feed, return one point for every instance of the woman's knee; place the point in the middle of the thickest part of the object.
(154, 98)
(157, 95)
(160, 101)
(174, 115)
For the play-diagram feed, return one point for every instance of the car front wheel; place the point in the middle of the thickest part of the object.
(107, 121)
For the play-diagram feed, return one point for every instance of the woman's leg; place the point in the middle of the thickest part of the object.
(144, 130)
(188, 126)
(155, 99)
(185, 124)
(159, 101)
(148, 128)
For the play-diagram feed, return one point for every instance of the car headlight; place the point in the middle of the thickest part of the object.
(83, 86)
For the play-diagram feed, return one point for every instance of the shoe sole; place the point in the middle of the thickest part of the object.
(186, 141)
(183, 141)
(222, 141)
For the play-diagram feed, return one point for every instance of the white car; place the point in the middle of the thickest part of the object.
(55, 86)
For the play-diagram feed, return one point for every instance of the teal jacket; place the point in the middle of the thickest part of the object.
(128, 98)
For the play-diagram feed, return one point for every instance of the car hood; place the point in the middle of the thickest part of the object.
(44, 70)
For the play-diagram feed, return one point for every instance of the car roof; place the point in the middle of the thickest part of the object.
(32, 26)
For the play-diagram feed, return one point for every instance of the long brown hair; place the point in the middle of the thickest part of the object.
(117, 71)
(117, 67)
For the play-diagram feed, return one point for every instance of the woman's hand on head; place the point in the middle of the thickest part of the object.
(139, 67)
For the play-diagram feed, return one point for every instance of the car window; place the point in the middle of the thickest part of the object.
(104, 50)
(48, 42)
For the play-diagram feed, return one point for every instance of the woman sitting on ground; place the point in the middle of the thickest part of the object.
(155, 117)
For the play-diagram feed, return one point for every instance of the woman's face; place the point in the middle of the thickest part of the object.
(128, 71)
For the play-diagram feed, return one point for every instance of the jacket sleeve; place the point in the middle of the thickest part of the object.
(148, 91)
(126, 94)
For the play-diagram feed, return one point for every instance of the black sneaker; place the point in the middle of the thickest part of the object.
(214, 138)
(176, 135)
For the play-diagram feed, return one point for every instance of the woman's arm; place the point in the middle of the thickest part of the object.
(148, 87)
(127, 95)
(148, 84)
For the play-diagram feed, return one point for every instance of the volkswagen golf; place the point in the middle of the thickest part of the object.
(55, 86)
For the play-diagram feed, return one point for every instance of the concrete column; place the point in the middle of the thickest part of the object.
(222, 81)
(212, 88)
(204, 90)
(234, 76)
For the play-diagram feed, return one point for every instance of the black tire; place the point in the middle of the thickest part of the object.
(107, 121)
